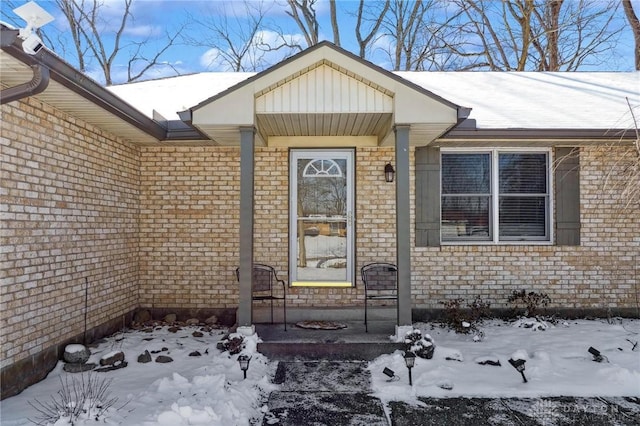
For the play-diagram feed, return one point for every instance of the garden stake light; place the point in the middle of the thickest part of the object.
(410, 360)
(391, 374)
(597, 356)
(244, 364)
(518, 364)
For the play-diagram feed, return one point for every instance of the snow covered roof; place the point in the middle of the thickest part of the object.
(168, 96)
(537, 100)
(499, 100)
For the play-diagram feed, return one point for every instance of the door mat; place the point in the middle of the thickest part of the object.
(321, 325)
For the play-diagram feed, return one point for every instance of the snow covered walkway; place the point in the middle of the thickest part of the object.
(339, 393)
(324, 393)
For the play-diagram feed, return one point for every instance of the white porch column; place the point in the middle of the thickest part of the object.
(247, 148)
(403, 226)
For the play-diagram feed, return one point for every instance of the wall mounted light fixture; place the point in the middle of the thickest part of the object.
(389, 173)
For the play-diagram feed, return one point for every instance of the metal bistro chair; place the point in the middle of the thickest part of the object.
(264, 279)
(380, 283)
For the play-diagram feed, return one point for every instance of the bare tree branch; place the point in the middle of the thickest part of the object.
(75, 23)
(93, 36)
(96, 41)
(363, 42)
(310, 26)
(621, 182)
(490, 42)
(541, 35)
(133, 75)
(635, 127)
(634, 23)
(334, 22)
(241, 38)
(406, 25)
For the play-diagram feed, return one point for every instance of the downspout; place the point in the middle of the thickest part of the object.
(38, 84)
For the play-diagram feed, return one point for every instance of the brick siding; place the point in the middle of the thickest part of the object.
(602, 273)
(157, 227)
(189, 215)
(70, 199)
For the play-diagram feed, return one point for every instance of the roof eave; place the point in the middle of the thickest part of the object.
(466, 134)
(178, 130)
(72, 79)
(462, 112)
(608, 134)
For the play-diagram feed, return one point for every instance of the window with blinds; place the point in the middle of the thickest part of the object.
(466, 197)
(495, 196)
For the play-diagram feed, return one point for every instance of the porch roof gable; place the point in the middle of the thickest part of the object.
(324, 91)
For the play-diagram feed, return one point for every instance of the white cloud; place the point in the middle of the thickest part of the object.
(143, 30)
(213, 60)
(272, 37)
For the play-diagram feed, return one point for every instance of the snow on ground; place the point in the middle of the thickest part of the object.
(557, 362)
(205, 390)
(210, 390)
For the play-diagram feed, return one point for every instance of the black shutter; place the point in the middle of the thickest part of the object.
(428, 197)
(567, 196)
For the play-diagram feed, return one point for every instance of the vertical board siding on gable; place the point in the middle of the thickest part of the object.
(323, 90)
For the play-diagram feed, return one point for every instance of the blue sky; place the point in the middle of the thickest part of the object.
(152, 18)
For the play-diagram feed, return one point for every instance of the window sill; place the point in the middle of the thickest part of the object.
(499, 243)
(341, 284)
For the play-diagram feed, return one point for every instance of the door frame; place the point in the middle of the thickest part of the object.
(347, 154)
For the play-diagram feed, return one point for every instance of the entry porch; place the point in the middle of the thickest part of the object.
(324, 100)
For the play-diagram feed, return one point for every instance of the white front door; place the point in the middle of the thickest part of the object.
(321, 218)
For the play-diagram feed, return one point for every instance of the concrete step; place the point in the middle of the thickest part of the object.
(291, 351)
(349, 343)
(262, 313)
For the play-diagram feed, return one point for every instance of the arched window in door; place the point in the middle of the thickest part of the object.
(322, 167)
